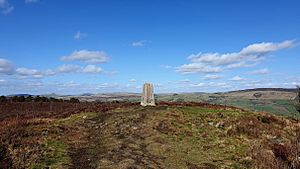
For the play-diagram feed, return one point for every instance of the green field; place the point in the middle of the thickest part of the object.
(279, 106)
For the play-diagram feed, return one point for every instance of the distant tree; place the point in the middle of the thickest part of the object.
(37, 99)
(52, 99)
(44, 99)
(29, 99)
(74, 100)
(3, 99)
(41, 99)
(15, 99)
(21, 99)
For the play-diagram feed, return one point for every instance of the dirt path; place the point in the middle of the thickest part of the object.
(115, 140)
(86, 153)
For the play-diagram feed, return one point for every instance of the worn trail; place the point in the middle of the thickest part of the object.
(115, 139)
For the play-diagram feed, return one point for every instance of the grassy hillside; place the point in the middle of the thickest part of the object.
(171, 135)
(276, 102)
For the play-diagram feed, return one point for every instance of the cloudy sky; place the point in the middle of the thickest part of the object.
(59, 46)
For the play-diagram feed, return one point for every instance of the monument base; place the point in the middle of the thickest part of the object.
(147, 104)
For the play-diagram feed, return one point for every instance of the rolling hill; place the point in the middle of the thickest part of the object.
(126, 135)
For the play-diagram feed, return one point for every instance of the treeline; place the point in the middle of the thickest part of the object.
(35, 99)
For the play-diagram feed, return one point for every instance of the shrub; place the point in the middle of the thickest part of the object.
(264, 119)
(41, 99)
(29, 99)
(3, 99)
(21, 99)
(52, 99)
(37, 99)
(74, 100)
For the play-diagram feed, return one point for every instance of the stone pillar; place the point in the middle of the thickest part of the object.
(148, 95)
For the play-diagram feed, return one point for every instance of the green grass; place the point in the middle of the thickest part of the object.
(278, 106)
(56, 155)
(189, 143)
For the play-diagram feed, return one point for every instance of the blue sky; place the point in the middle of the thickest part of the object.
(59, 46)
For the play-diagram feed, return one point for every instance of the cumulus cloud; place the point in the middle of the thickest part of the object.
(91, 69)
(259, 72)
(247, 57)
(78, 69)
(6, 67)
(5, 7)
(68, 68)
(212, 77)
(80, 35)
(87, 56)
(237, 78)
(26, 72)
(31, 1)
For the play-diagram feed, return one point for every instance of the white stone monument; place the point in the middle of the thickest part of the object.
(148, 95)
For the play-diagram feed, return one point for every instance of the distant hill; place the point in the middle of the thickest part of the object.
(25, 95)
(267, 89)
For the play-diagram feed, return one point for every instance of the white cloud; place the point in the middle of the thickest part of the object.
(247, 57)
(31, 1)
(237, 78)
(211, 85)
(5, 7)
(26, 72)
(2, 81)
(198, 68)
(132, 80)
(80, 35)
(87, 56)
(138, 43)
(266, 47)
(259, 72)
(68, 68)
(241, 64)
(91, 69)
(6, 67)
(212, 77)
